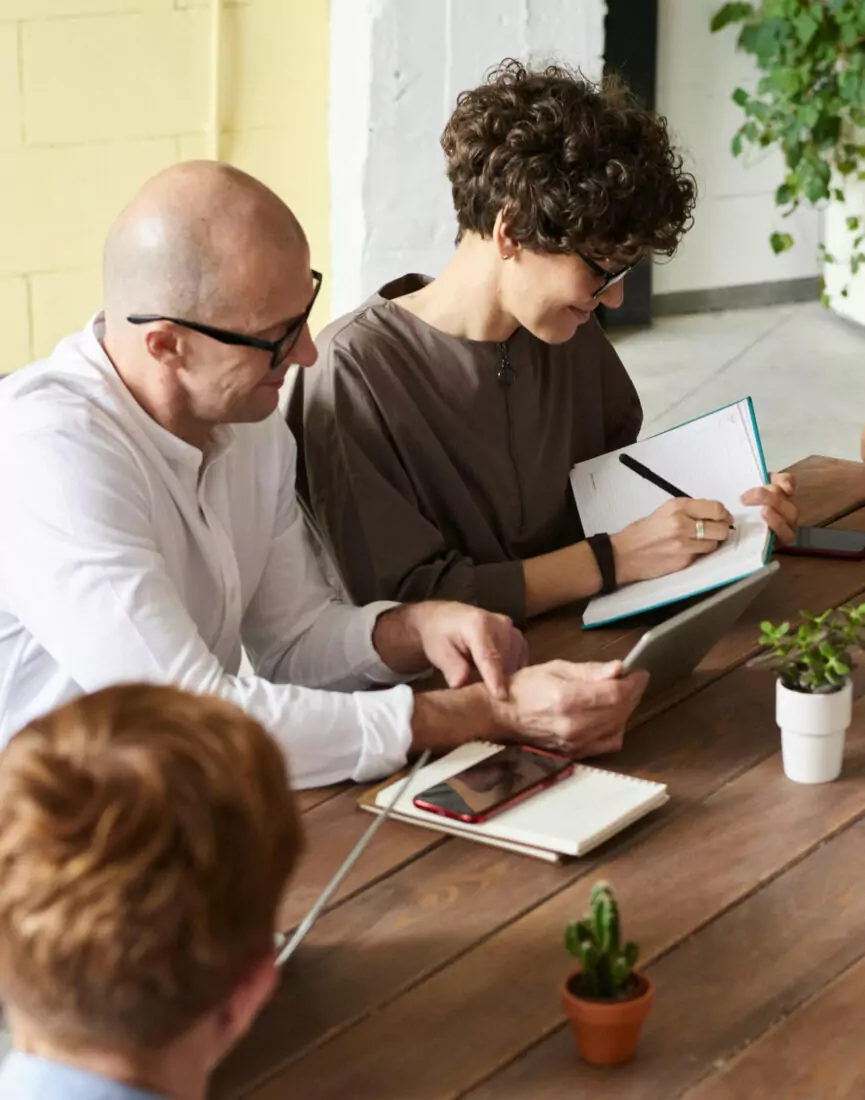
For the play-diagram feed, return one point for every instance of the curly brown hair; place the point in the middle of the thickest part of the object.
(146, 836)
(573, 165)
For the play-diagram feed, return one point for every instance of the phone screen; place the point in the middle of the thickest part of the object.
(829, 540)
(499, 778)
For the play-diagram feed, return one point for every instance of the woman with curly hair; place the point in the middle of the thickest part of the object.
(439, 426)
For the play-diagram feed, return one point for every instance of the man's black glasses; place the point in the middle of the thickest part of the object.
(610, 278)
(278, 349)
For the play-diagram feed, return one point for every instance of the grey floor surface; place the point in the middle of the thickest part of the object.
(804, 368)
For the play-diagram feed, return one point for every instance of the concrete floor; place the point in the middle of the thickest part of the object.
(803, 367)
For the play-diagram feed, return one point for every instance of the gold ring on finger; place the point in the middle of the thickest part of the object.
(701, 530)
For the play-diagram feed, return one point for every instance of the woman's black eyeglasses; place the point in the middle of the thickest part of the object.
(610, 278)
(278, 349)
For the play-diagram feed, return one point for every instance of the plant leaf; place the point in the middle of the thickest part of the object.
(806, 27)
(783, 195)
(781, 242)
(730, 13)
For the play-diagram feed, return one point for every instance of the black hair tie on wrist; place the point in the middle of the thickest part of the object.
(602, 548)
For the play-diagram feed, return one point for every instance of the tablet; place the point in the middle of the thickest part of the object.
(670, 651)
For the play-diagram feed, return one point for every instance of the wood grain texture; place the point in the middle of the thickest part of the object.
(308, 800)
(436, 907)
(705, 861)
(727, 984)
(438, 965)
(828, 488)
(332, 829)
(815, 1053)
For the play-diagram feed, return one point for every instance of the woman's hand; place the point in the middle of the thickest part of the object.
(670, 538)
(777, 503)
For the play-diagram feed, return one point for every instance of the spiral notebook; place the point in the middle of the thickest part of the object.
(564, 821)
(716, 457)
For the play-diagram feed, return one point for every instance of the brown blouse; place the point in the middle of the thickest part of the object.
(433, 465)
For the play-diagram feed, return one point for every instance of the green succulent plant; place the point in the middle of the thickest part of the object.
(816, 657)
(809, 102)
(595, 940)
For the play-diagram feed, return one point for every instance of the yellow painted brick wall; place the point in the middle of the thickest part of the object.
(98, 95)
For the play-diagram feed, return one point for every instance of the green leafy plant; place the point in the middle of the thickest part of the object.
(810, 101)
(816, 657)
(595, 940)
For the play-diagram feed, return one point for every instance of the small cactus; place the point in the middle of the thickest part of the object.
(596, 942)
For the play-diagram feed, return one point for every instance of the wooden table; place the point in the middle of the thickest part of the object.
(436, 971)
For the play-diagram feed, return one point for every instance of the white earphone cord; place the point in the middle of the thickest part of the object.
(353, 856)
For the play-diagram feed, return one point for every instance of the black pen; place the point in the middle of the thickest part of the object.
(656, 479)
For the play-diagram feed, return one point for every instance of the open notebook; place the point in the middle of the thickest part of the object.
(717, 457)
(566, 820)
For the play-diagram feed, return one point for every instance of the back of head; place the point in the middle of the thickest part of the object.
(146, 837)
(570, 163)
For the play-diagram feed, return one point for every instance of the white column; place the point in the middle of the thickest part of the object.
(397, 67)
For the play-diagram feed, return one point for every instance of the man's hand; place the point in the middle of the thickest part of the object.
(574, 709)
(777, 503)
(454, 638)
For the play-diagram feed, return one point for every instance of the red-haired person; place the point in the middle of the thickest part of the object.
(146, 838)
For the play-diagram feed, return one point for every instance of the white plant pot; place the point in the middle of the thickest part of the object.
(813, 728)
(838, 240)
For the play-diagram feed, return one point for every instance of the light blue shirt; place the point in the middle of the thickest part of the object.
(26, 1077)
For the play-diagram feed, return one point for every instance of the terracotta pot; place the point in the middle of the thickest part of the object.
(606, 1032)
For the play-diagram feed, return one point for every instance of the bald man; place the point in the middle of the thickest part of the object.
(151, 529)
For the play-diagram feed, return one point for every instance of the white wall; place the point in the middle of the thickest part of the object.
(396, 69)
(729, 245)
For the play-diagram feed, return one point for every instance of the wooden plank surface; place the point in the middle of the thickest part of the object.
(421, 940)
(476, 890)
(333, 826)
(331, 831)
(814, 1053)
(389, 937)
(728, 983)
(828, 488)
(308, 800)
(501, 996)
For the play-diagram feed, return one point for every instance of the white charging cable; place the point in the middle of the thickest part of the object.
(353, 857)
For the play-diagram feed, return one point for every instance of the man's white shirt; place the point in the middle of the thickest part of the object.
(128, 555)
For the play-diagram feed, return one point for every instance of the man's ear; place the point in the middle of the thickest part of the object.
(505, 244)
(166, 345)
(248, 998)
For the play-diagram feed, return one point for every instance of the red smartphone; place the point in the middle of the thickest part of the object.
(826, 542)
(494, 784)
